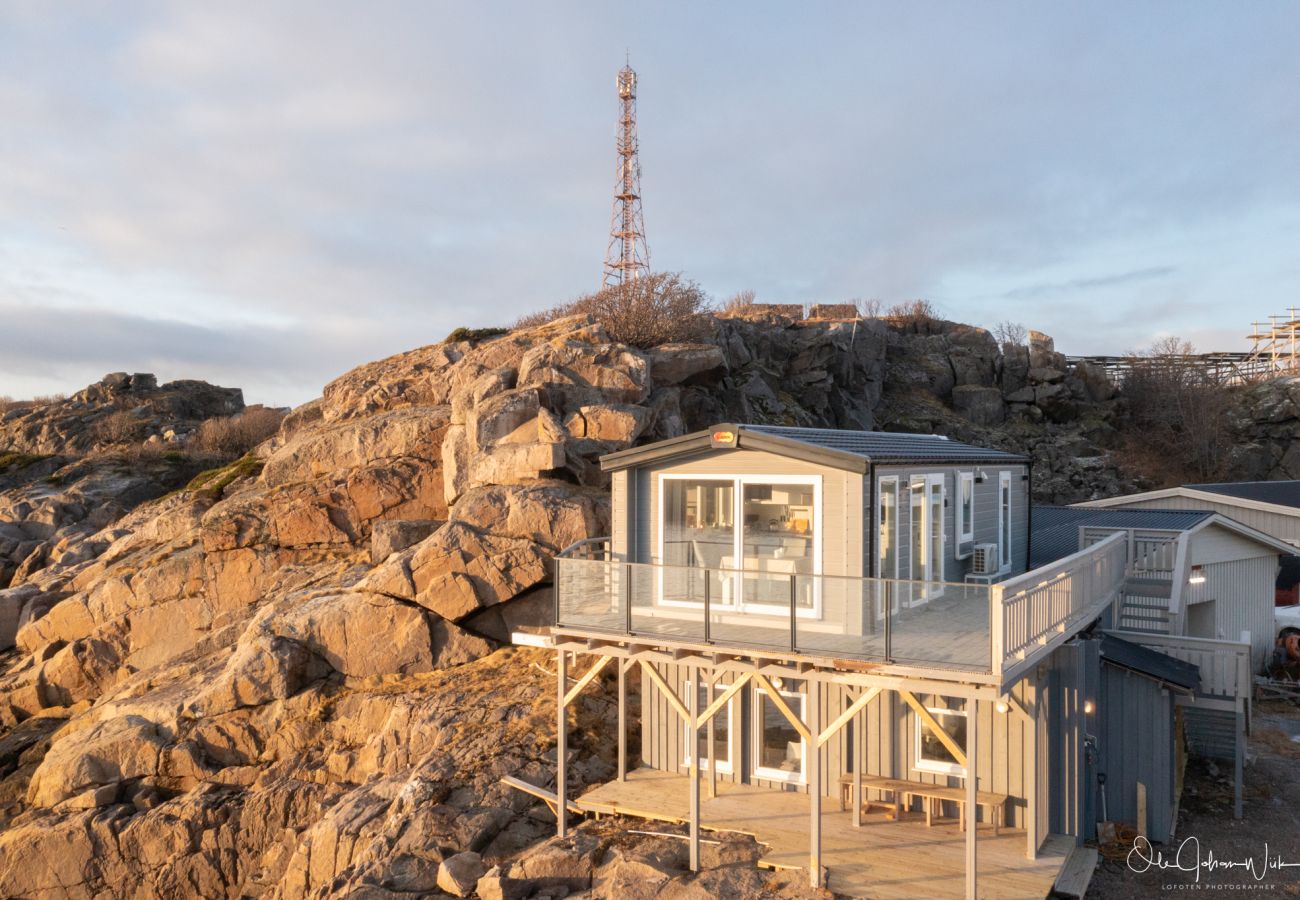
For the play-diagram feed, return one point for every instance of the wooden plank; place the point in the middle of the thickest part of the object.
(970, 807)
(722, 699)
(586, 679)
(1076, 873)
(946, 739)
(622, 722)
(814, 765)
(541, 793)
(848, 714)
(693, 676)
(779, 702)
(561, 744)
(1142, 809)
(669, 694)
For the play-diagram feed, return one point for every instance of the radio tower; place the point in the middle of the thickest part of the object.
(628, 257)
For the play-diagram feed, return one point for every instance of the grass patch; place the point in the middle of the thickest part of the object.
(12, 459)
(474, 334)
(215, 481)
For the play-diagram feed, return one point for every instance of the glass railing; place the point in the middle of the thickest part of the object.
(942, 625)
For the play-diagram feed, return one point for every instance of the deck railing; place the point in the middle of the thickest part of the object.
(920, 623)
(968, 627)
(1046, 602)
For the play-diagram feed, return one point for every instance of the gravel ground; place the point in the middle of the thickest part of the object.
(1272, 819)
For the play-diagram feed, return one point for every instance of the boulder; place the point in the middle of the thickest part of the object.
(982, 405)
(387, 538)
(553, 514)
(458, 875)
(679, 363)
(362, 634)
(619, 424)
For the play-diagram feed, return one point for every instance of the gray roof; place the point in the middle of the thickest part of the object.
(1152, 663)
(1056, 528)
(851, 450)
(887, 445)
(1282, 493)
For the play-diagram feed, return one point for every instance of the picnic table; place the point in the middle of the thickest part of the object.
(931, 794)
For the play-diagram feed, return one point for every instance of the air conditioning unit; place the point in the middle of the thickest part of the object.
(984, 561)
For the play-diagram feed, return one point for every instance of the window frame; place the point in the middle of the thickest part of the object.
(931, 587)
(738, 482)
(759, 770)
(965, 524)
(931, 766)
(1004, 521)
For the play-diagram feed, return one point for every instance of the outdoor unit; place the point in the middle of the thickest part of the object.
(985, 560)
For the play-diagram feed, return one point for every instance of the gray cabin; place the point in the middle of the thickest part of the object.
(852, 616)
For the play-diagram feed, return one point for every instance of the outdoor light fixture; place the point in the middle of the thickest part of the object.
(778, 683)
(1088, 707)
(981, 476)
(1001, 706)
(1198, 576)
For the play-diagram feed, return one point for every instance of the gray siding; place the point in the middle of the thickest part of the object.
(986, 514)
(1137, 744)
(1242, 593)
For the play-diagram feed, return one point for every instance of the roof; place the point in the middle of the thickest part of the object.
(1056, 528)
(1151, 663)
(853, 450)
(1279, 493)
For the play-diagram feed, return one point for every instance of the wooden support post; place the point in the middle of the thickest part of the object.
(1031, 782)
(1238, 758)
(814, 766)
(1142, 810)
(622, 721)
(710, 737)
(693, 675)
(561, 744)
(859, 755)
(972, 807)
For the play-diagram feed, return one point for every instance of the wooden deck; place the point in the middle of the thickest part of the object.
(882, 859)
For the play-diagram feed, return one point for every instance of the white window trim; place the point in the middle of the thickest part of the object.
(929, 765)
(965, 530)
(898, 555)
(1004, 522)
(738, 482)
(933, 586)
(728, 709)
(760, 771)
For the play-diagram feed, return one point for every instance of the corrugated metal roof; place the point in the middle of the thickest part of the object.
(1152, 663)
(1056, 528)
(886, 445)
(1282, 493)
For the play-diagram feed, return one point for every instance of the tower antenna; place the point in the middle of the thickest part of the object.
(627, 257)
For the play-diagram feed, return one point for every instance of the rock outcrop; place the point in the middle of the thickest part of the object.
(288, 679)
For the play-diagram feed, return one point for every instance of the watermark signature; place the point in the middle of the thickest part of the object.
(1190, 858)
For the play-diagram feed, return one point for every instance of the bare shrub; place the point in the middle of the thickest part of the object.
(661, 308)
(914, 315)
(230, 437)
(1008, 332)
(868, 309)
(119, 427)
(738, 303)
(1176, 424)
(9, 403)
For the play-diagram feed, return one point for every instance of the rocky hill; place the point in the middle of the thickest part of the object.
(289, 678)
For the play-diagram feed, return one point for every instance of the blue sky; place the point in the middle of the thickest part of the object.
(264, 195)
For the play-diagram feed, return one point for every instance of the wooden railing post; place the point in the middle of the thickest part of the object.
(794, 605)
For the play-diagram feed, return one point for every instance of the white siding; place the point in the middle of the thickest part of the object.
(1281, 526)
(1242, 591)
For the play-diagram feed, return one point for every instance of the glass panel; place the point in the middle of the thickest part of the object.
(721, 729)
(935, 569)
(967, 505)
(887, 539)
(781, 746)
(1005, 538)
(698, 533)
(777, 539)
(918, 530)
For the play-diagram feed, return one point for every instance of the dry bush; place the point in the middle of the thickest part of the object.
(230, 437)
(662, 308)
(120, 427)
(868, 309)
(1176, 424)
(915, 315)
(1008, 332)
(9, 403)
(738, 303)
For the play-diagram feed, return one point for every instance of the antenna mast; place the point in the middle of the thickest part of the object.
(628, 257)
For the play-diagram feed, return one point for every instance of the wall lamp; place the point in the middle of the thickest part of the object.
(1198, 575)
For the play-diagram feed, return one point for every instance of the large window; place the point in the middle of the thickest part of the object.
(777, 540)
(887, 527)
(932, 754)
(721, 730)
(781, 748)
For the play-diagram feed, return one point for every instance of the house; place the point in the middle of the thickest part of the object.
(1272, 507)
(843, 648)
(1202, 574)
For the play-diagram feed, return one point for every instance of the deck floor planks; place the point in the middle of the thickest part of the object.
(882, 859)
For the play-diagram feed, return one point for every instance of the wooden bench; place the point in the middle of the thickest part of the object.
(930, 794)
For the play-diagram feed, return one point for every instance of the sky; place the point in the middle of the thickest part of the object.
(264, 195)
